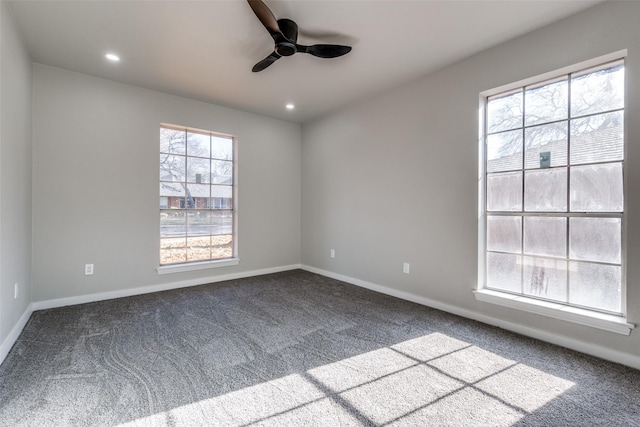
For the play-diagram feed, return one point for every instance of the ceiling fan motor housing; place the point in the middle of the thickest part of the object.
(285, 49)
(289, 29)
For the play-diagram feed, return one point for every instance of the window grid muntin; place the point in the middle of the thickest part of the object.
(564, 214)
(210, 204)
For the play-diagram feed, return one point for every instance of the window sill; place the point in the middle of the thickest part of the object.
(180, 268)
(593, 319)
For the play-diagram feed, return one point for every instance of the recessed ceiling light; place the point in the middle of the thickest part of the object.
(112, 57)
(290, 106)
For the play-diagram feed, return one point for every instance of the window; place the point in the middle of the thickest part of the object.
(554, 191)
(196, 196)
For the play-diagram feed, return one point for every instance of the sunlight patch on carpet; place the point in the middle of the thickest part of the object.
(433, 379)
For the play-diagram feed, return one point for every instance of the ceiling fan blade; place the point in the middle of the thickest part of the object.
(324, 50)
(266, 62)
(267, 19)
(265, 15)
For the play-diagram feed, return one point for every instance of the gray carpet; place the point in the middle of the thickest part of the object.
(295, 348)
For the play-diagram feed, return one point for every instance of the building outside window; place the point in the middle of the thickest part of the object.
(554, 190)
(196, 196)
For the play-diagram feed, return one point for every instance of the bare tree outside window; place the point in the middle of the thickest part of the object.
(554, 189)
(196, 196)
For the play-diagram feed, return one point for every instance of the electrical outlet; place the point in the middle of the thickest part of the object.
(332, 253)
(15, 291)
(405, 268)
(88, 269)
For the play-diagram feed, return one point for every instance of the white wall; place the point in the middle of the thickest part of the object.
(15, 179)
(394, 178)
(95, 185)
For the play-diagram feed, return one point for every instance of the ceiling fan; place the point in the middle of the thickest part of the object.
(285, 34)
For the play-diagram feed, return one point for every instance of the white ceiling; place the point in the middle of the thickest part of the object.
(205, 49)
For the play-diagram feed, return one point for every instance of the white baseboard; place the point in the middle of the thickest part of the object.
(601, 352)
(15, 333)
(82, 299)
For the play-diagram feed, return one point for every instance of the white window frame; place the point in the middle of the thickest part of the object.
(210, 263)
(587, 317)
